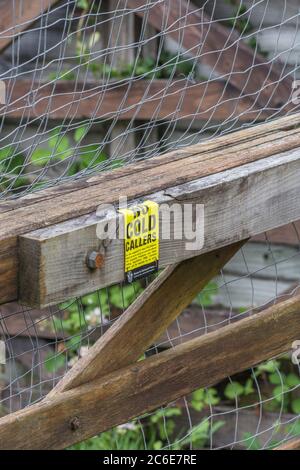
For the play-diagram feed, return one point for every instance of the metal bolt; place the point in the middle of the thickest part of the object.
(74, 423)
(95, 260)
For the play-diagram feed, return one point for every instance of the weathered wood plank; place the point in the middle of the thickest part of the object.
(17, 16)
(74, 199)
(120, 40)
(147, 318)
(146, 385)
(219, 47)
(293, 444)
(142, 99)
(238, 203)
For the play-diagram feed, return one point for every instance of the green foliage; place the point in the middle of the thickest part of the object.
(87, 313)
(168, 65)
(58, 360)
(59, 147)
(251, 442)
(254, 443)
(199, 435)
(83, 4)
(239, 21)
(233, 390)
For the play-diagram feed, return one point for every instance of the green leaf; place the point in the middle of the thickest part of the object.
(296, 406)
(275, 378)
(83, 4)
(122, 296)
(270, 366)
(41, 156)
(292, 380)
(73, 343)
(233, 390)
(59, 143)
(251, 441)
(91, 155)
(212, 397)
(279, 391)
(248, 388)
(80, 133)
(157, 445)
(6, 152)
(55, 362)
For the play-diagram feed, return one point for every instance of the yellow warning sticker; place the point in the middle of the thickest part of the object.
(141, 240)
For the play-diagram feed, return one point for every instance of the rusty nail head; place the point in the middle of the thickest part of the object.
(95, 260)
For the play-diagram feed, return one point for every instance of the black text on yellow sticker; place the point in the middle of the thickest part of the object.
(141, 240)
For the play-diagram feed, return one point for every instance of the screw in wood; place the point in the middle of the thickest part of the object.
(95, 260)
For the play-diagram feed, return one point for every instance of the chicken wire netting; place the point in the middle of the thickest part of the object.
(255, 409)
(91, 86)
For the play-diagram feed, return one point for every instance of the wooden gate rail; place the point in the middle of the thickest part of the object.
(74, 415)
(239, 202)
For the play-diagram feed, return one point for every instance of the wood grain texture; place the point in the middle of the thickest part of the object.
(238, 203)
(142, 99)
(74, 199)
(147, 318)
(17, 16)
(156, 381)
(228, 146)
(219, 47)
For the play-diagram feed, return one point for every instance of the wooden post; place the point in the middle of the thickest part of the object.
(120, 39)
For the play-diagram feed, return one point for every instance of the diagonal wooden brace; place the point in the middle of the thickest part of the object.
(147, 318)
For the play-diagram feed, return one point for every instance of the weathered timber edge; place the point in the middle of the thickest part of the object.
(70, 201)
